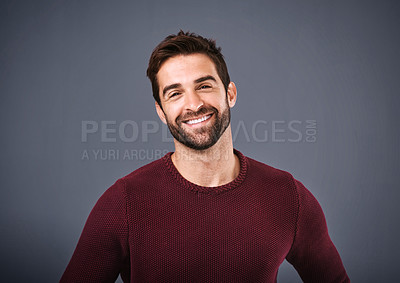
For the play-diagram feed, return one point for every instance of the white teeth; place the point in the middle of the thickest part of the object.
(191, 122)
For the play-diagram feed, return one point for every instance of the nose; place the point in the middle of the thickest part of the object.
(193, 101)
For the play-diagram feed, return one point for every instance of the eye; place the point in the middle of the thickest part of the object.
(174, 94)
(204, 87)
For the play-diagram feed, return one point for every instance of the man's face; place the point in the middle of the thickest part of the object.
(195, 106)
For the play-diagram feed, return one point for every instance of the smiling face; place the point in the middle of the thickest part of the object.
(195, 105)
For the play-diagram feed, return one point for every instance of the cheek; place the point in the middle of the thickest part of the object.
(172, 111)
(225, 103)
(216, 100)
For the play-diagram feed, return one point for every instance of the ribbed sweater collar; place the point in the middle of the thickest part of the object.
(208, 190)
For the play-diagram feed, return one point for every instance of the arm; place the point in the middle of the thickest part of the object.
(313, 254)
(102, 249)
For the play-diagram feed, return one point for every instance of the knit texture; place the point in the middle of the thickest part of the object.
(155, 226)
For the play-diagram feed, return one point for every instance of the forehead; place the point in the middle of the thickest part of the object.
(185, 69)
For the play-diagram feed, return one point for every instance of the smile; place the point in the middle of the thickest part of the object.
(196, 121)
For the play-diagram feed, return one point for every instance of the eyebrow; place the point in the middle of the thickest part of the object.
(205, 78)
(168, 87)
(199, 80)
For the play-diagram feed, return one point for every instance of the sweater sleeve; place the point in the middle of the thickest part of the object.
(313, 254)
(102, 250)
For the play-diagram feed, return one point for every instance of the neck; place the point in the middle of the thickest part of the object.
(215, 166)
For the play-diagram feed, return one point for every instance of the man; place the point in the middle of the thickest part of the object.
(204, 213)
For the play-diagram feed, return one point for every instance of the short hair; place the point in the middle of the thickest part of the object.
(185, 43)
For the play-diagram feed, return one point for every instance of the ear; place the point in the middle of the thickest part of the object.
(232, 94)
(160, 113)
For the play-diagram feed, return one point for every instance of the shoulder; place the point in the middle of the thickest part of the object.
(149, 175)
(113, 203)
(147, 171)
(277, 180)
(264, 172)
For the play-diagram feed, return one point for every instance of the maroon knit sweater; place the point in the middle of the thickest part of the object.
(155, 226)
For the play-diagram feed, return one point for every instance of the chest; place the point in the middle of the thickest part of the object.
(210, 236)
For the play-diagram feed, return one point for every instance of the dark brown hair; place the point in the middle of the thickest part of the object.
(185, 43)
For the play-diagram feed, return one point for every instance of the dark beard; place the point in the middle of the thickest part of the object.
(213, 133)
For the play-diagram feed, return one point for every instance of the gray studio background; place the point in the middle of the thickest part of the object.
(318, 86)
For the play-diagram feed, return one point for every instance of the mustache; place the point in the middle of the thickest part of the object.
(193, 114)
